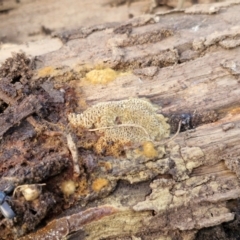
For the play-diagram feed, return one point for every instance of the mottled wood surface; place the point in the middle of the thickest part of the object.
(185, 63)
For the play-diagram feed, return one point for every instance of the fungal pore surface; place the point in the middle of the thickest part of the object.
(127, 121)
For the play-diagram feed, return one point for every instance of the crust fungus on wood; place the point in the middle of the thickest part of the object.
(132, 121)
(129, 186)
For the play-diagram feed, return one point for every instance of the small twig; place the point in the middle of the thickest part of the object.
(52, 133)
(121, 125)
(174, 136)
(11, 179)
(58, 129)
(74, 151)
(54, 125)
(6, 98)
(38, 127)
(135, 125)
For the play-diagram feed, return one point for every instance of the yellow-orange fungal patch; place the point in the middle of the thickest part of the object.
(106, 165)
(99, 183)
(149, 150)
(235, 111)
(82, 187)
(102, 76)
(46, 71)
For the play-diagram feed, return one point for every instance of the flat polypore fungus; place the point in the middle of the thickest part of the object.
(133, 120)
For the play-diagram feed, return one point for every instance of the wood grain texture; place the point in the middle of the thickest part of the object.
(182, 63)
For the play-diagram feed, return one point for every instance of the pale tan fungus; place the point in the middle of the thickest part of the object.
(68, 187)
(99, 183)
(133, 120)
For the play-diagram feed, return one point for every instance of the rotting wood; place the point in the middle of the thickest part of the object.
(191, 193)
(189, 184)
(49, 166)
(18, 112)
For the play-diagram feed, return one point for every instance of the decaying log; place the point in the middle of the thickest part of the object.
(186, 64)
(18, 112)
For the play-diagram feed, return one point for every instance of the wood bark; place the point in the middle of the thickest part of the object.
(185, 62)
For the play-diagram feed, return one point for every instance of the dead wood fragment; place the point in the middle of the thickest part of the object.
(30, 214)
(195, 177)
(74, 152)
(30, 155)
(62, 227)
(18, 68)
(16, 113)
(84, 31)
(49, 166)
(6, 98)
(211, 8)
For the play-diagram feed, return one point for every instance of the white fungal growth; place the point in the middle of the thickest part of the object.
(30, 191)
